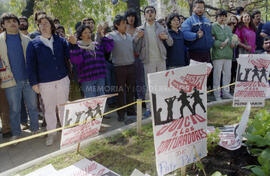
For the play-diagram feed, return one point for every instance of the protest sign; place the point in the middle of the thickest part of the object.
(251, 80)
(44, 171)
(86, 167)
(179, 103)
(90, 110)
(231, 136)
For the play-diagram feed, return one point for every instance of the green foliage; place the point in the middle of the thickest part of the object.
(3, 8)
(16, 6)
(258, 142)
(213, 140)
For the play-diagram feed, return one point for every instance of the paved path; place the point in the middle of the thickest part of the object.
(15, 155)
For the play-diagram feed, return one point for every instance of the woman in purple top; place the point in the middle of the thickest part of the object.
(89, 59)
(246, 33)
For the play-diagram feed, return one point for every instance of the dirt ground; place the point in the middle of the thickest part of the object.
(230, 163)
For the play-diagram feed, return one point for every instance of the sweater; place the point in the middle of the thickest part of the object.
(6, 76)
(176, 54)
(220, 35)
(247, 36)
(43, 65)
(123, 51)
(142, 44)
(191, 26)
(91, 64)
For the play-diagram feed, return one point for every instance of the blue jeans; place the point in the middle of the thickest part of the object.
(93, 88)
(110, 82)
(14, 97)
(24, 118)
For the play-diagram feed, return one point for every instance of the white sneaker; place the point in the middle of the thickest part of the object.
(49, 140)
(218, 98)
(227, 96)
(13, 138)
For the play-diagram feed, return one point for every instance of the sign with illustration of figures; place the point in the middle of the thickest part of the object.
(90, 110)
(251, 80)
(179, 102)
(86, 167)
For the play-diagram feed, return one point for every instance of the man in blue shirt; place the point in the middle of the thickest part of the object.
(14, 79)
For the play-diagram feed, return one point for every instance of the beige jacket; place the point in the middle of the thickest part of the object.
(6, 77)
(141, 45)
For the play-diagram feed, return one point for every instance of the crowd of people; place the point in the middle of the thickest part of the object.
(36, 67)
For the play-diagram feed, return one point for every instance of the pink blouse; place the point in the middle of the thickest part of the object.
(247, 36)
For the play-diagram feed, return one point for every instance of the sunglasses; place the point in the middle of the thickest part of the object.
(150, 11)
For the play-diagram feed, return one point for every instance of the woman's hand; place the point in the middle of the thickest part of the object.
(72, 39)
(36, 88)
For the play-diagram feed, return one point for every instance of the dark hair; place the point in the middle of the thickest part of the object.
(251, 24)
(77, 25)
(266, 38)
(239, 10)
(117, 20)
(198, 2)
(56, 20)
(221, 13)
(23, 18)
(256, 12)
(39, 13)
(81, 29)
(41, 17)
(8, 16)
(171, 17)
(132, 12)
(88, 19)
(149, 7)
(60, 27)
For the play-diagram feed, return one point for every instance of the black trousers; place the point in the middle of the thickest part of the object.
(125, 78)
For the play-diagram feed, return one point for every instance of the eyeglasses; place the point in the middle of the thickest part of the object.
(150, 11)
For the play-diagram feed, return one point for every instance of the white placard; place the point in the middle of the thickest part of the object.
(86, 167)
(232, 138)
(179, 103)
(89, 109)
(251, 80)
(44, 171)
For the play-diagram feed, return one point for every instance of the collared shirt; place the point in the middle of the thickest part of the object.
(154, 53)
(47, 42)
(124, 36)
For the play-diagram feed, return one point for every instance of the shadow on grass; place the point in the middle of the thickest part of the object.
(116, 161)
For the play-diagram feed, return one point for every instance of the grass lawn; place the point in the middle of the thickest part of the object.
(124, 152)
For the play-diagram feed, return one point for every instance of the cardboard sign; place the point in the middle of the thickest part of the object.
(231, 136)
(91, 110)
(179, 103)
(86, 167)
(44, 171)
(251, 80)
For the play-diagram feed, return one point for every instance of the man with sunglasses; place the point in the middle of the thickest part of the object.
(149, 45)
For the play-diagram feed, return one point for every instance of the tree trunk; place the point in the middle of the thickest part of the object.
(135, 4)
(29, 9)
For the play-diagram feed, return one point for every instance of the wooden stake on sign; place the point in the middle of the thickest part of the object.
(183, 171)
(78, 147)
(139, 116)
(198, 158)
